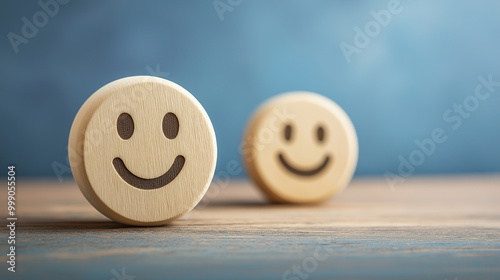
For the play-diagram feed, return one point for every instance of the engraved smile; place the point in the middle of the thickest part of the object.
(301, 172)
(149, 184)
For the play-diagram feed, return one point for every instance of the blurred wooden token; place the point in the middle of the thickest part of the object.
(142, 150)
(300, 147)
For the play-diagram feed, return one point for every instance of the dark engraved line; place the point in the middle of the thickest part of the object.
(149, 184)
(299, 172)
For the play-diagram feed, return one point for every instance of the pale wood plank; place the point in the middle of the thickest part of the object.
(437, 228)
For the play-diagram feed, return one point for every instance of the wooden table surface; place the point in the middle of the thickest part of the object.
(427, 228)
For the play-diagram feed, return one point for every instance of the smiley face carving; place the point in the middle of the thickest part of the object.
(125, 128)
(142, 150)
(300, 147)
(320, 134)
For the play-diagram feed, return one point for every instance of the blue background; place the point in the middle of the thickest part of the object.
(395, 90)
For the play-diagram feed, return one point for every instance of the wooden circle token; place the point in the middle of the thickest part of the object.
(142, 150)
(300, 147)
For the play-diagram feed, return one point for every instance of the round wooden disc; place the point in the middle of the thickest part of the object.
(300, 147)
(142, 150)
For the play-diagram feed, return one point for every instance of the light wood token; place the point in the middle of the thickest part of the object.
(142, 150)
(300, 147)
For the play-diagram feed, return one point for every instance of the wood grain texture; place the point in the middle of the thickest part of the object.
(300, 147)
(142, 150)
(429, 228)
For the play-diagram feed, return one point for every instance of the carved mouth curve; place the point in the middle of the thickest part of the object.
(300, 172)
(149, 184)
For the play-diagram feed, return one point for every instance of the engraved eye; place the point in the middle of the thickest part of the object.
(320, 134)
(125, 126)
(288, 132)
(170, 125)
